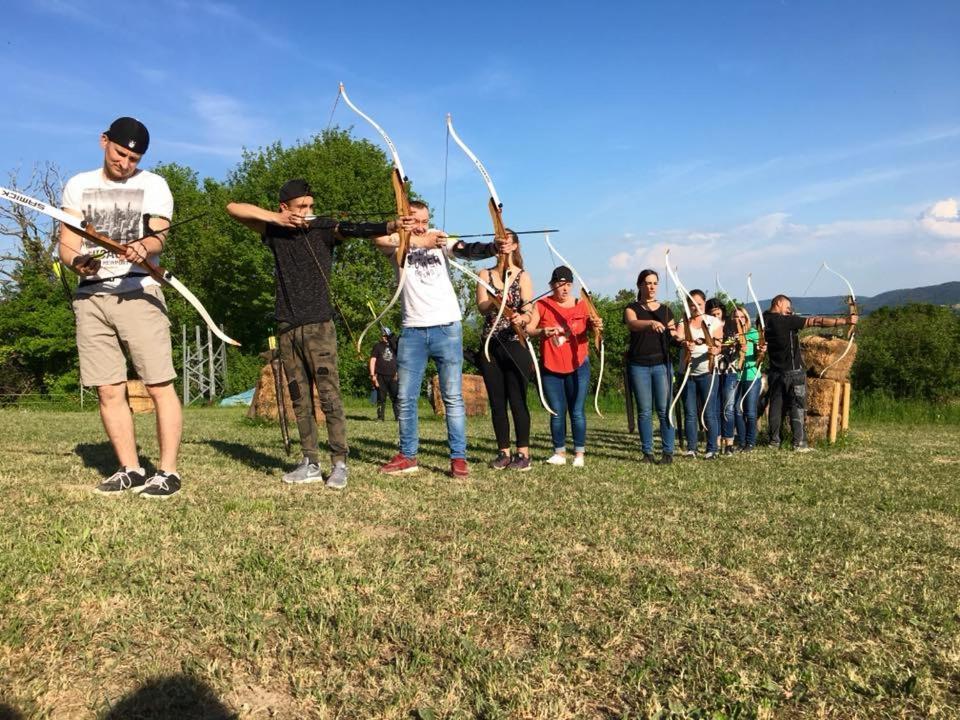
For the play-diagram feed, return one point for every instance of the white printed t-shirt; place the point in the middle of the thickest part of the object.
(428, 295)
(117, 209)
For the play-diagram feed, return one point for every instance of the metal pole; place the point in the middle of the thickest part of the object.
(184, 358)
(213, 388)
(198, 359)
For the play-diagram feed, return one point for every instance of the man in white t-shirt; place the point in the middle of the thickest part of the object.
(431, 329)
(118, 305)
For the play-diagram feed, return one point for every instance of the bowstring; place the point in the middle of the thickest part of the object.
(333, 110)
(446, 162)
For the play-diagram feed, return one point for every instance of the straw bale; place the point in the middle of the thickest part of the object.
(264, 403)
(474, 395)
(138, 398)
(820, 351)
(817, 428)
(820, 396)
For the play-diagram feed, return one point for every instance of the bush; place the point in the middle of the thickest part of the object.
(909, 352)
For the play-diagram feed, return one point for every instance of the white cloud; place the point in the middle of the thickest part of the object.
(942, 219)
(780, 252)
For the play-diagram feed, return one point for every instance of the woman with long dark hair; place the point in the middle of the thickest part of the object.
(506, 371)
(648, 364)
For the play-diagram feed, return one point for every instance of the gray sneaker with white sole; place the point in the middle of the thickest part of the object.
(338, 478)
(305, 472)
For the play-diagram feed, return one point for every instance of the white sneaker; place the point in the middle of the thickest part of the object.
(578, 461)
(556, 459)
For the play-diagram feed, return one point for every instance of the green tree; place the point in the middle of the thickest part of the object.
(909, 352)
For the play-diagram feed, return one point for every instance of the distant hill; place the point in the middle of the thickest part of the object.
(944, 294)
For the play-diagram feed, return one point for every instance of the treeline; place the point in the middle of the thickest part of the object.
(907, 352)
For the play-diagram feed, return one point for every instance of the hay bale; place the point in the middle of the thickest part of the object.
(138, 398)
(474, 395)
(264, 404)
(821, 351)
(816, 428)
(820, 395)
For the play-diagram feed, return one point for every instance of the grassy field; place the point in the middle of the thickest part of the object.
(772, 585)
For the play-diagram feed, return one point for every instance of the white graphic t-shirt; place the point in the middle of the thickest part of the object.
(117, 209)
(428, 295)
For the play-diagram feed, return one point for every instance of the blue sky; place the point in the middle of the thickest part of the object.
(759, 137)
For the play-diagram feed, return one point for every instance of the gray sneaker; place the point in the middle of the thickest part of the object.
(338, 478)
(305, 472)
(803, 448)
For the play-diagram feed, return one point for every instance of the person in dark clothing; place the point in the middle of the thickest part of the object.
(648, 358)
(302, 246)
(507, 369)
(787, 377)
(383, 372)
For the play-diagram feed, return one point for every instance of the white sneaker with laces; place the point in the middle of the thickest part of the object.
(578, 461)
(556, 459)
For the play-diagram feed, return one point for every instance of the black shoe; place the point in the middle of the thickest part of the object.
(649, 458)
(711, 456)
(121, 480)
(728, 450)
(666, 459)
(160, 486)
(500, 462)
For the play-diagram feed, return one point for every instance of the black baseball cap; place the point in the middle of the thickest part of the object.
(129, 133)
(561, 274)
(298, 187)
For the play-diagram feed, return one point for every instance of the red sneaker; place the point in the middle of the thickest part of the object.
(400, 464)
(458, 468)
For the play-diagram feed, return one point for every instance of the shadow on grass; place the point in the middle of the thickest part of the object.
(173, 697)
(100, 457)
(246, 455)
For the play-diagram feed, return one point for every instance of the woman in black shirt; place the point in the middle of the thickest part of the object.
(648, 363)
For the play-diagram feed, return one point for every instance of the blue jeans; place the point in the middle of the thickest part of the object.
(728, 400)
(444, 344)
(695, 395)
(568, 391)
(651, 384)
(747, 420)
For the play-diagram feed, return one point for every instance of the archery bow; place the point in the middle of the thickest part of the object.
(761, 342)
(851, 310)
(499, 231)
(86, 231)
(687, 332)
(509, 313)
(401, 196)
(708, 340)
(587, 297)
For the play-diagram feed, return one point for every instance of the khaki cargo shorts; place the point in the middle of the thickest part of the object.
(136, 321)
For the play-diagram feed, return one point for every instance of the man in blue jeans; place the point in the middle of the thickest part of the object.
(431, 329)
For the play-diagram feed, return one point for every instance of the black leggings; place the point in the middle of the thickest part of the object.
(506, 377)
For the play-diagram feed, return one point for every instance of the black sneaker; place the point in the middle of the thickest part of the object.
(666, 459)
(121, 480)
(520, 463)
(500, 462)
(161, 486)
(728, 450)
(711, 455)
(649, 459)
